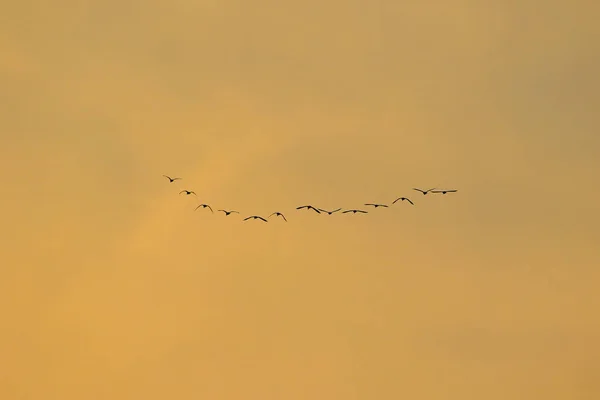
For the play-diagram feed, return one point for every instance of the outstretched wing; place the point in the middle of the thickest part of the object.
(409, 201)
(283, 216)
(418, 190)
(262, 219)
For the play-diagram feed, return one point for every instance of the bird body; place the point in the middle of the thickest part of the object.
(444, 191)
(188, 192)
(329, 212)
(204, 206)
(171, 180)
(375, 205)
(309, 208)
(255, 217)
(278, 214)
(228, 212)
(403, 199)
(423, 191)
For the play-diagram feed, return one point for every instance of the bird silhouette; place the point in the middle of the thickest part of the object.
(423, 191)
(171, 180)
(188, 192)
(402, 199)
(228, 212)
(444, 191)
(329, 212)
(354, 211)
(309, 208)
(279, 215)
(255, 217)
(375, 205)
(204, 206)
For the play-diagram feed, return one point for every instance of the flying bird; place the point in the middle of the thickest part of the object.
(188, 192)
(171, 179)
(279, 215)
(255, 217)
(308, 208)
(423, 191)
(375, 205)
(402, 199)
(354, 211)
(204, 206)
(329, 212)
(228, 212)
(444, 191)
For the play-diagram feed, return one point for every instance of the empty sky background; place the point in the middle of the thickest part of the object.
(111, 287)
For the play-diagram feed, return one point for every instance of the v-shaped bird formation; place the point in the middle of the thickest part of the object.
(309, 207)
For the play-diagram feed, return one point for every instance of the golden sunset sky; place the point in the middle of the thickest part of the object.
(113, 287)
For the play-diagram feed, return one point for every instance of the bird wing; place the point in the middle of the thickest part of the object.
(451, 191)
(383, 205)
(271, 215)
(198, 207)
(369, 204)
(209, 207)
(361, 211)
(347, 211)
(410, 202)
(247, 218)
(235, 212)
(168, 177)
(418, 190)
(183, 191)
(394, 202)
(430, 189)
(301, 207)
(336, 210)
(318, 212)
(283, 216)
(262, 219)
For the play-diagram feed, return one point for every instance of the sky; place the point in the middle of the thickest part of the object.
(113, 287)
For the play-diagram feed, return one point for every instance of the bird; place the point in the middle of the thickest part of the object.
(229, 212)
(188, 192)
(279, 215)
(204, 206)
(423, 191)
(308, 208)
(444, 191)
(375, 205)
(171, 179)
(329, 212)
(255, 217)
(403, 198)
(354, 211)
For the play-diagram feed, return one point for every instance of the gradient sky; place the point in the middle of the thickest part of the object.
(112, 287)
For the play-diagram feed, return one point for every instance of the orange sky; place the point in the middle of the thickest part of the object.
(112, 287)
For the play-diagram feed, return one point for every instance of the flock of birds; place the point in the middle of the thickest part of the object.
(309, 207)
